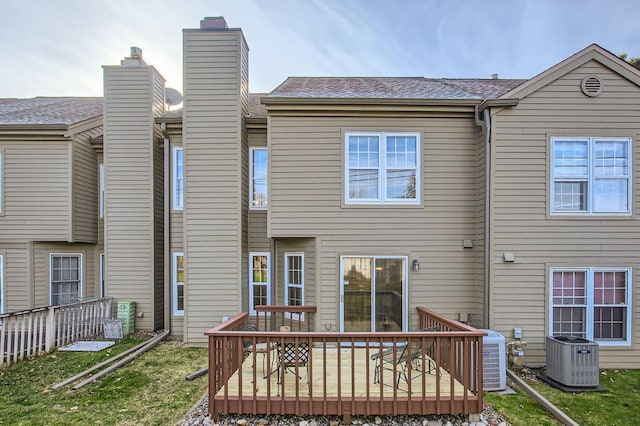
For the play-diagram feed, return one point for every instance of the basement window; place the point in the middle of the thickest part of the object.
(592, 303)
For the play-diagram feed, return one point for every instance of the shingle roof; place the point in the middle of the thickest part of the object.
(393, 88)
(48, 111)
(256, 108)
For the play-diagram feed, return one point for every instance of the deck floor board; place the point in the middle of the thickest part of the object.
(323, 377)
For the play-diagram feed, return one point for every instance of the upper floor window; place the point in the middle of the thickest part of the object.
(592, 303)
(178, 178)
(101, 200)
(258, 168)
(1, 180)
(591, 175)
(382, 168)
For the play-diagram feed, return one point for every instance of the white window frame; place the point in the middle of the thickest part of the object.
(1, 181)
(591, 177)
(101, 194)
(589, 302)
(405, 287)
(252, 151)
(382, 170)
(177, 202)
(252, 283)
(288, 285)
(2, 301)
(102, 289)
(80, 273)
(175, 283)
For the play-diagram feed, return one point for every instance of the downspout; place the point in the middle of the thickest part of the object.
(167, 229)
(485, 125)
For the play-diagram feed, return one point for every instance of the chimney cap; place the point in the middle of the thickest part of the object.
(213, 23)
(135, 59)
(136, 52)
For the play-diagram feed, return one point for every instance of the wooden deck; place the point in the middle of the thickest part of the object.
(340, 375)
(357, 377)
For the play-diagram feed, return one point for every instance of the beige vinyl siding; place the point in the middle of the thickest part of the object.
(479, 240)
(521, 222)
(244, 184)
(213, 146)
(131, 98)
(42, 269)
(16, 276)
(37, 189)
(306, 193)
(158, 108)
(158, 234)
(85, 187)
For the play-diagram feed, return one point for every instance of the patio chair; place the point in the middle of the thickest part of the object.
(291, 355)
(403, 358)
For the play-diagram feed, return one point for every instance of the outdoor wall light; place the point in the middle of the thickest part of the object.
(415, 265)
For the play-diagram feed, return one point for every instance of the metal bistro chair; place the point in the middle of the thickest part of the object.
(403, 358)
(290, 356)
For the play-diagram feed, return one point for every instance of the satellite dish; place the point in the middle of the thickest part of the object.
(172, 97)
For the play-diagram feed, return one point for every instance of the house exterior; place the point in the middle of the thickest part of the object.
(50, 238)
(499, 203)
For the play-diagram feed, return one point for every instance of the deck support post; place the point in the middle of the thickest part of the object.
(346, 416)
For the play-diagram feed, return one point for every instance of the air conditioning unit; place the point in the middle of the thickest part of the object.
(494, 361)
(573, 361)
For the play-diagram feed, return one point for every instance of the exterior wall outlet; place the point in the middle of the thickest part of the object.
(517, 333)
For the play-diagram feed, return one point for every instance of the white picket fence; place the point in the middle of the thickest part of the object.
(30, 333)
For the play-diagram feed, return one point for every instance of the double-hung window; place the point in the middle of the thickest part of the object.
(592, 303)
(1, 285)
(101, 195)
(1, 181)
(258, 168)
(382, 168)
(102, 273)
(591, 176)
(178, 284)
(259, 280)
(294, 280)
(66, 278)
(178, 178)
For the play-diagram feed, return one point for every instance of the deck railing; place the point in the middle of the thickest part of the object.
(29, 333)
(418, 372)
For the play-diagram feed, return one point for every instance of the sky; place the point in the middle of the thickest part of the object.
(57, 47)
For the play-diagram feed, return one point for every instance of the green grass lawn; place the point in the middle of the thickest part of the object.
(151, 390)
(618, 405)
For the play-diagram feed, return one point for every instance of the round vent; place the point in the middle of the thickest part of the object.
(591, 85)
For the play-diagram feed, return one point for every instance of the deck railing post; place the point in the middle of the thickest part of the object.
(50, 330)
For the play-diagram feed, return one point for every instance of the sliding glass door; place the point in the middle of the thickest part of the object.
(373, 293)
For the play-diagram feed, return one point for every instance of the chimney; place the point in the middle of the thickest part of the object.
(135, 59)
(213, 23)
(494, 76)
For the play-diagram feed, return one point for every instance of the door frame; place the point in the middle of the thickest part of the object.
(405, 289)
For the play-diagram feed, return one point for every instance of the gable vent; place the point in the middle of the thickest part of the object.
(591, 85)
